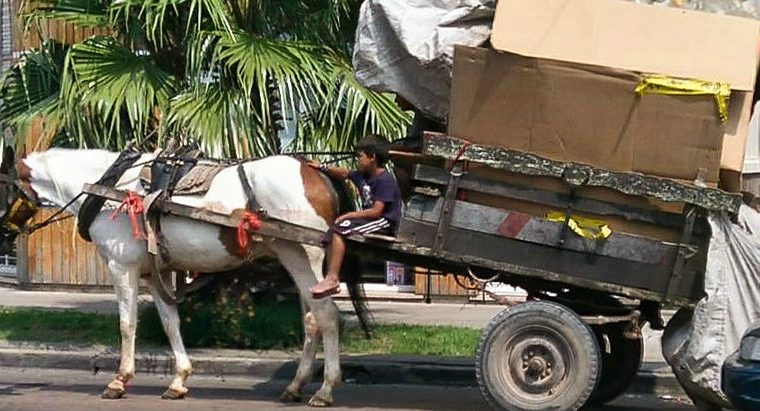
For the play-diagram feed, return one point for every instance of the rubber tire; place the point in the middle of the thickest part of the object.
(581, 342)
(620, 366)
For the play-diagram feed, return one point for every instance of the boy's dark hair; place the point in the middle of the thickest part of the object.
(376, 146)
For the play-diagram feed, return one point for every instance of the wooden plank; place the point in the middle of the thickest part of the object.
(71, 33)
(22, 258)
(55, 254)
(34, 253)
(66, 253)
(270, 227)
(89, 277)
(580, 174)
(525, 263)
(439, 176)
(523, 227)
(47, 252)
(59, 30)
(92, 264)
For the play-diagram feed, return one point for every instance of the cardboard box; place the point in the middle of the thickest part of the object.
(643, 38)
(637, 37)
(735, 140)
(582, 113)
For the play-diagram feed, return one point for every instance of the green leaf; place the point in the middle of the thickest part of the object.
(105, 79)
(221, 119)
(82, 13)
(349, 112)
(30, 89)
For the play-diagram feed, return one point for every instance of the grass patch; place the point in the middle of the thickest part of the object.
(58, 327)
(85, 328)
(235, 311)
(412, 340)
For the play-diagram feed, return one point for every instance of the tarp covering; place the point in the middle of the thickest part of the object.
(407, 47)
(696, 343)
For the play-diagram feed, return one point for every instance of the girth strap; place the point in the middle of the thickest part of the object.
(251, 203)
(93, 204)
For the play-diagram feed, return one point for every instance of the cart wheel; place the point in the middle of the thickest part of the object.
(621, 360)
(538, 356)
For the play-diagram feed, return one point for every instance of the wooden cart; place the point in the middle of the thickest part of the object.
(574, 342)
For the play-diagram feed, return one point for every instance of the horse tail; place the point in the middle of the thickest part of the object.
(351, 274)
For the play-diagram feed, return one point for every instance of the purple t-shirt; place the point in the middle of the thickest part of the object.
(382, 187)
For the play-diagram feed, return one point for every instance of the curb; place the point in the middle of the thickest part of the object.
(652, 379)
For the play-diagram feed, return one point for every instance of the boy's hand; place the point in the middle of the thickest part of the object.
(314, 164)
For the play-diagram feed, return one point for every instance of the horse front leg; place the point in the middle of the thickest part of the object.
(126, 284)
(170, 321)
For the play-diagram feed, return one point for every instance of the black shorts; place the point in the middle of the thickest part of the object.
(359, 226)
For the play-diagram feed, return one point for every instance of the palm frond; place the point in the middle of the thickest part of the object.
(29, 90)
(292, 73)
(82, 13)
(329, 23)
(166, 22)
(105, 79)
(221, 119)
(349, 112)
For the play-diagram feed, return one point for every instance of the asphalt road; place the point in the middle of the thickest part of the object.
(43, 390)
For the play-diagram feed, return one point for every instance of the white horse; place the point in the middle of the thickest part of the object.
(285, 187)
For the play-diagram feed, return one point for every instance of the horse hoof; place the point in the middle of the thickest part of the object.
(172, 394)
(318, 402)
(290, 397)
(112, 394)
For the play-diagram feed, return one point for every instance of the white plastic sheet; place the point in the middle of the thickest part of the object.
(407, 47)
(696, 343)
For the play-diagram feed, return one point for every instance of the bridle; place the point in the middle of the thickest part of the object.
(19, 211)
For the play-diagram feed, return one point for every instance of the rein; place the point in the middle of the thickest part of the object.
(52, 219)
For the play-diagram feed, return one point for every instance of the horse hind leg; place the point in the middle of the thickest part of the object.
(293, 392)
(183, 368)
(125, 280)
(304, 263)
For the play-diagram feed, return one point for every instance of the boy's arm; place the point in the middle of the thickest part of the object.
(373, 213)
(332, 171)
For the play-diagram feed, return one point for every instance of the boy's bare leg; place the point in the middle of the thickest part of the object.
(331, 283)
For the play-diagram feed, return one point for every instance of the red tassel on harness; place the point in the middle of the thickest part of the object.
(250, 221)
(134, 207)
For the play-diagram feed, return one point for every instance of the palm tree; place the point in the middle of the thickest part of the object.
(229, 73)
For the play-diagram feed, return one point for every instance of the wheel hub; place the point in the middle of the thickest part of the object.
(536, 366)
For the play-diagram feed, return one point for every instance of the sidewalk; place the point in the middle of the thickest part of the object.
(655, 376)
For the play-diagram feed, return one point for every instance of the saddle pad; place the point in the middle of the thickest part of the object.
(198, 180)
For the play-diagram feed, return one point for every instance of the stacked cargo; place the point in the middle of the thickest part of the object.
(616, 85)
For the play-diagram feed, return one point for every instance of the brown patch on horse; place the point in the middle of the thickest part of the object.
(23, 171)
(228, 238)
(24, 176)
(319, 193)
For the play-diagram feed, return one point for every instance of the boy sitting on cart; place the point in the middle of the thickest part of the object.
(381, 206)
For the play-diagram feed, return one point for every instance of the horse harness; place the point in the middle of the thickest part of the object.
(181, 171)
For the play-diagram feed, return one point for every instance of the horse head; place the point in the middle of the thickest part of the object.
(18, 201)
